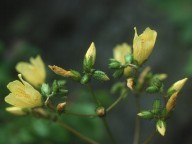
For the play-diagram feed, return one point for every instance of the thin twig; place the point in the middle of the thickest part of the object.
(114, 103)
(78, 134)
(80, 114)
(150, 137)
(137, 122)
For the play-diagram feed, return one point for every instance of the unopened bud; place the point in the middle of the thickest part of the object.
(161, 127)
(60, 71)
(90, 56)
(130, 83)
(61, 107)
(146, 114)
(85, 79)
(45, 89)
(100, 75)
(101, 112)
(118, 73)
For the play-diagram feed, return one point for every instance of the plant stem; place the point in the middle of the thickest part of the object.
(109, 131)
(114, 103)
(150, 137)
(104, 121)
(41, 113)
(78, 134)
(137, 121)
(80, 114)
(93, 94)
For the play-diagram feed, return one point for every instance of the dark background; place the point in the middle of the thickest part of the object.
(62, 30)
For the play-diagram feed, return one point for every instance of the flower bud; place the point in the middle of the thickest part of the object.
(143, 45)
(146, 114)
(101, 111)
(177, 86)
(118, 73)
(161, 127)
(85, 79)
(60, 71)
(130, 83)
(114, 64)
(100, 75)
(61, 107)
(156, 106)
(45, 89)
(90, 56)
(171, 102)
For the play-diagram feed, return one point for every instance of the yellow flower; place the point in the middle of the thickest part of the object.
(143, 45)
(119, 53)
(22, 95)
(91, 53)
(176, 88)
(15, 110)
(34, 72)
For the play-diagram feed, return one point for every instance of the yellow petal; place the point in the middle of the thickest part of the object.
(34, 72)
(143, 45)
(23, 95)
(15, 110)
(119, 53)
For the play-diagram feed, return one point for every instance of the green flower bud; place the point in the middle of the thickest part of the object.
(146, 114)
(89, 58)
(61, 83)
(117, 87)
(156, 106)
(63, 91)
(115, 65)
(55, 86)
(152, 89)
(45, 89)
(118, 73)
(100, 75)
(161, 127)
(75, 75)
(128, 58)
(85, 79)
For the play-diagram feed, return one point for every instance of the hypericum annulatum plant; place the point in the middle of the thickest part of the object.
(32, 95)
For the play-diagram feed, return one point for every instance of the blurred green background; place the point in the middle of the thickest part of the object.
(62, 30)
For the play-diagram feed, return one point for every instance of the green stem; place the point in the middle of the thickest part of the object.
(109, 131)
(78, 134)
(137, 121)
(150, 137)
(104, 121)
(41, 113)
(115, 103)
(93, 94)
(80, 114)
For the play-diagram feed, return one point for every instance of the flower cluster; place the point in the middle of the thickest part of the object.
(31, 94)
(23, 95)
